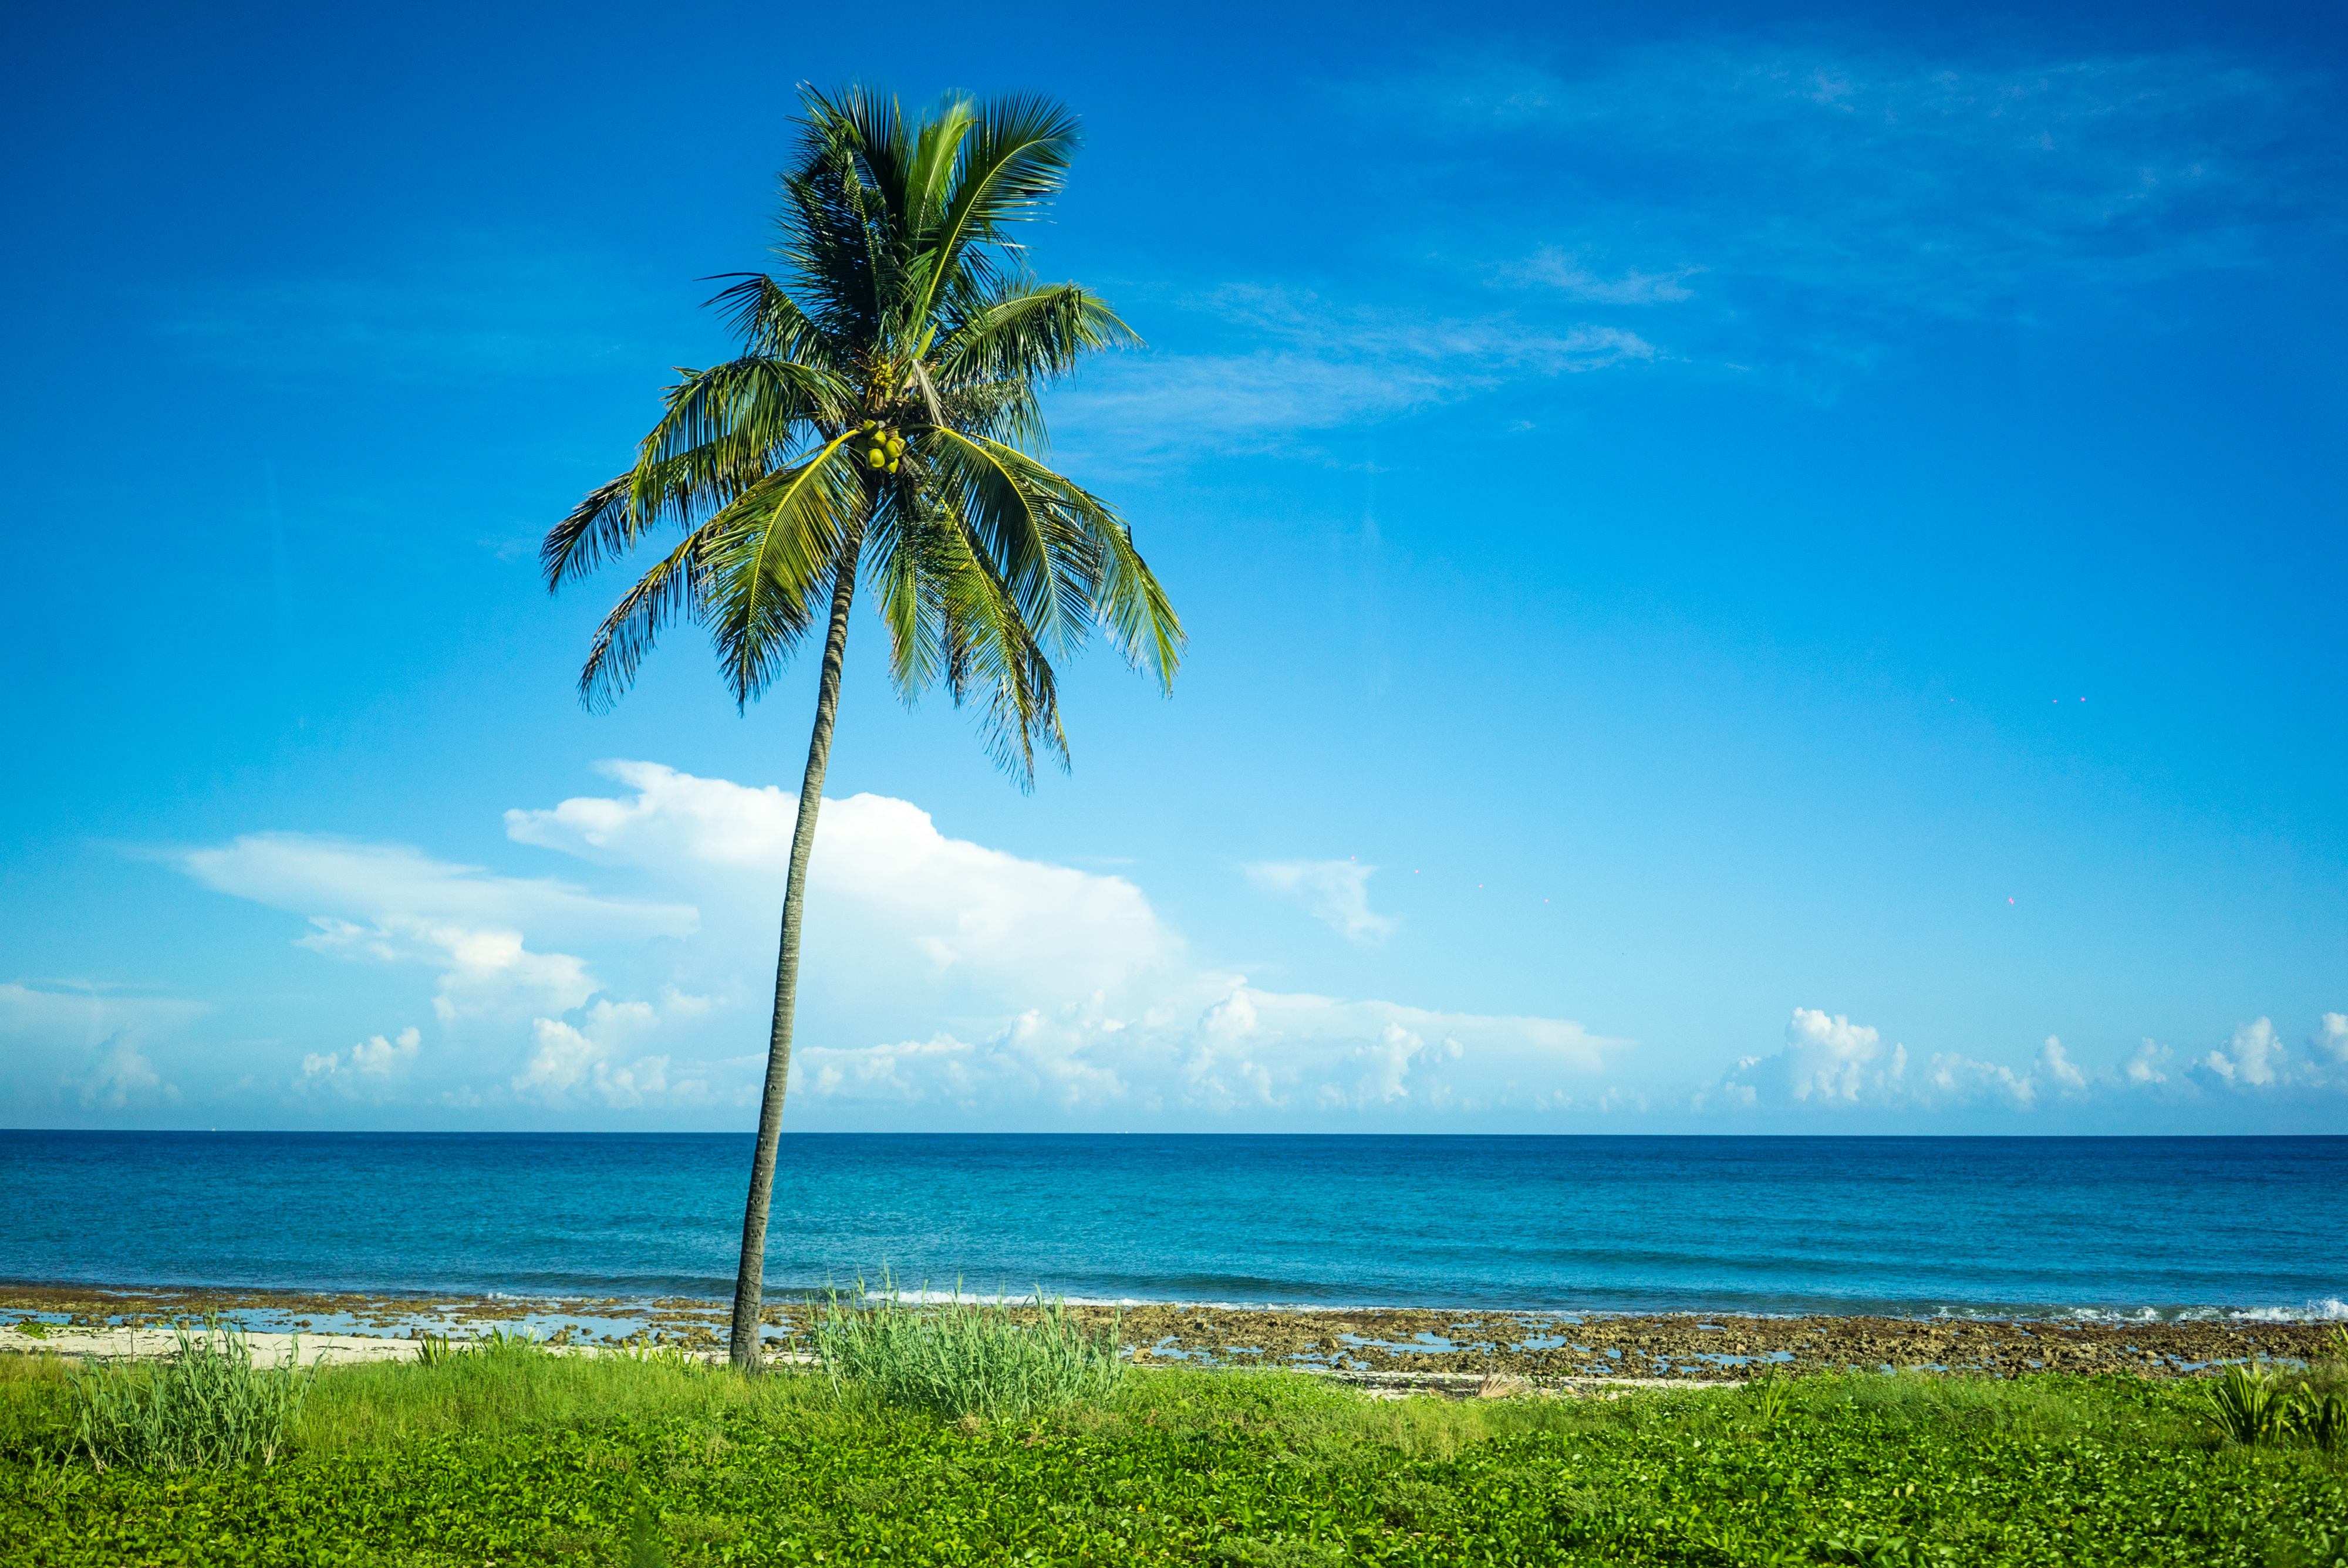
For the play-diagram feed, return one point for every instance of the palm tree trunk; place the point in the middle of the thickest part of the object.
(749, 1282)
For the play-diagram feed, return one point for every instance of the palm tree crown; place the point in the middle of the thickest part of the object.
(884, 417)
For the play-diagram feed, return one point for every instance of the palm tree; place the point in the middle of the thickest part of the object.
(882, 421)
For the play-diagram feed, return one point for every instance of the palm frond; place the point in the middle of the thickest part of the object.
(627, 634)
(989, 651)
(608, 524)
(769, 559)
(741, 416)
(1031, 332)
(901, 551)
(873, 131)
(1014, 156)
(1126, 601)
(937, 151)
(763, 314)
(1049, 568)
(603, 525)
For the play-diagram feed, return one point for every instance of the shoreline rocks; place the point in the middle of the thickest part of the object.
(1459, 1342)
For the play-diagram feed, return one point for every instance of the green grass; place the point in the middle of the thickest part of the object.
(207, 1406)
(962, 1357)
(511, 1456)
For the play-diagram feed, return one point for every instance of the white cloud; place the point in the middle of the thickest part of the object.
(2147, 1065)
(1571, 273)
(124, 1077)
(313, 873)
(1837, 1061)
(2330, 1039)
(1314, 364)
(93, 1040)
(570, 1061)
(1061, 990)
(484, 970)
(2055, 1069)
(1336, 892)
(1235, 1050)
(884, 884)
(392, 904)
(371, 1066)
(1830, 1062)
(2253, 1058)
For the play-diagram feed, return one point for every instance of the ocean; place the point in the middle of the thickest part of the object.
(2116, 1227)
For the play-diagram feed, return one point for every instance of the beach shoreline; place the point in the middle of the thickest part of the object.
(1437, 1344)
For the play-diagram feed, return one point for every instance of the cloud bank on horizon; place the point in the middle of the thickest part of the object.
(949, 984)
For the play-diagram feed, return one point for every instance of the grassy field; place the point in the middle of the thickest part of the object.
(518, 1457)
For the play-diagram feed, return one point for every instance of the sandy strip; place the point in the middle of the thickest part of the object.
(348, 1349)
(268, 1350)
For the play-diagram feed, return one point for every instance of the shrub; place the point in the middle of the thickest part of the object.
(2323, 1418)
(966, 1358)
(206, 1407)
(2249, 1406)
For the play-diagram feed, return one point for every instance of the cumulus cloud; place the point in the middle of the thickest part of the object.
(2148, 1064)
(1336, 892)
(369, 1067)
(2256, 1061)
(1831, 1062)
(2055, 1069)
(571, 1062)
(937, 973)
(1835, 1060)
(93, 1038)
(124, 1077)
(1065, 989)
(1234, 1049)
(884, 884)
(2253, 1058)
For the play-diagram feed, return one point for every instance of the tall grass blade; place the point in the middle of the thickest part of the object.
(966, 1358)
(2321, 1418)
(207, 1406)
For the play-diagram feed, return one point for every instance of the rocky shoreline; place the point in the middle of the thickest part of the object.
(1539, 1346)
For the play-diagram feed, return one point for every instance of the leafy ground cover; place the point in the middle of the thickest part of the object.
(515, 1457)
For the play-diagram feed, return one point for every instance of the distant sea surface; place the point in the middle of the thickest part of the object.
(2107, 1226)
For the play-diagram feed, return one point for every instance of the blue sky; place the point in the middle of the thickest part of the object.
(1747, 570)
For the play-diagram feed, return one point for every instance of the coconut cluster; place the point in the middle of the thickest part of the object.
(883, 448)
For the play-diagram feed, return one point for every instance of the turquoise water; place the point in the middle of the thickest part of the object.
(2122, 1227)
